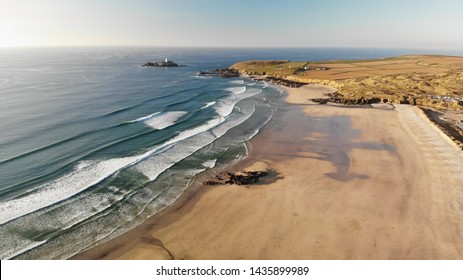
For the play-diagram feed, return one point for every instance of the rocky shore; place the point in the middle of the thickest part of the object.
(244, 178)
(340, 99)
(424, 80)
(223, 73)
(280, 81)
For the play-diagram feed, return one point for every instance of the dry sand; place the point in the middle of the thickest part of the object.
(358, 184)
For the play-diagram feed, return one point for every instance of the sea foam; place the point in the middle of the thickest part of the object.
(236, 90)
(161, 120)
(151, 163)
(145, 117)
(209, 104)
(165, 120)
(58, 217)
(63, 187)
(87, 175)
(210, 163)
(188, 142)
(225, 107)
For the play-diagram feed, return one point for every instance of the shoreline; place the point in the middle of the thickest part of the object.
(311, 215)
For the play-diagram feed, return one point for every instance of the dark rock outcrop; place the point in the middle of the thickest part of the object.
(280, 81)
(340, 99)
(245, 178)
(224, 73)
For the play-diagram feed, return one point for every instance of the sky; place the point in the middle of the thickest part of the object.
(424, 24)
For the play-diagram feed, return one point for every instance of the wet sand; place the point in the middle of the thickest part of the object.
(359, 183)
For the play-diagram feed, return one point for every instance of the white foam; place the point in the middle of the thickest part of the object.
(192, 140)
(233, 121)
(26, 246)
(210, 163)
(70, 184)
(191, 132)
(164, 120)
(239, 82)
(87, 174)
(157, 164)
(151, 164)
(78, 180)
(74, 211)
(201, 77)
(61, 216)
(82, 164)
(209, 104)
(145, 117)
(189, 141)
(63, 187)
(236, 90)
(225, 106)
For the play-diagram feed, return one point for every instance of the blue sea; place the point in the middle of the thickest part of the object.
(92, 144)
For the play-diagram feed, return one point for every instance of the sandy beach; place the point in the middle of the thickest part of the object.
(354, 183)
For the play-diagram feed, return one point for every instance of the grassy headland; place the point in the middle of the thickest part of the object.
(427, 80)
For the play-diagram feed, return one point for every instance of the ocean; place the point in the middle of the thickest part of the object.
(92, 144)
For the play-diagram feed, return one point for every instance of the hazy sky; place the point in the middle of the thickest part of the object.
(429, 24)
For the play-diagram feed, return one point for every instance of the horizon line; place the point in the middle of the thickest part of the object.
(228, 47)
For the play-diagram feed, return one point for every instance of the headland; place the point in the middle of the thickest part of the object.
(432, 82)
(353, 182)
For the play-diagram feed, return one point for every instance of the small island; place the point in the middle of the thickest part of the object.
(165, 63)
